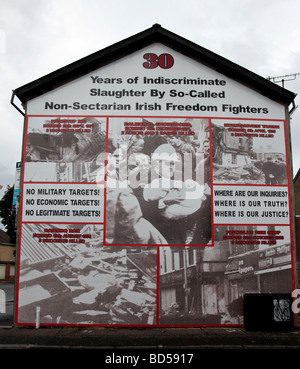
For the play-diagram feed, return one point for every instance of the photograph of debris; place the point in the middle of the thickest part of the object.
(248, 152)
(58, 154)
(66, 271)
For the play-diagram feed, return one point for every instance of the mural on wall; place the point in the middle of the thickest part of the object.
(155, 192)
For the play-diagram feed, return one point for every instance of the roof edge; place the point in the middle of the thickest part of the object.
(156, 33)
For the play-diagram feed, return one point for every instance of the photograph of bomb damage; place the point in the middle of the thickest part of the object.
(249, 152)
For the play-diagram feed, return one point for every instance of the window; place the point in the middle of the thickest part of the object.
(2, 271)
(191, 258)
(181, 261)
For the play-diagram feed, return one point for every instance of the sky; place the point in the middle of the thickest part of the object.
(41, 36)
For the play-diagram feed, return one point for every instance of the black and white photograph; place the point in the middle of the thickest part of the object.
(158, 182)
(64, 150)
(249, 152)
(206, 285)
(67, 273)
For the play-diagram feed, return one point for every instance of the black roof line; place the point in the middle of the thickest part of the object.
(296, 176)
(133, 43)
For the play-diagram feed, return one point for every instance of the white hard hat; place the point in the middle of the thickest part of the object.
(165, 152)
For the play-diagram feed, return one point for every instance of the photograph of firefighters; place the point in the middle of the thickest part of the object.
(158, 187)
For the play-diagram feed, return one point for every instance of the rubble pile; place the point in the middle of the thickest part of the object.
(241, 174)
(103, 287)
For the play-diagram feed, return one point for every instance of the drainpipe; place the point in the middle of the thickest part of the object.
(14, 105)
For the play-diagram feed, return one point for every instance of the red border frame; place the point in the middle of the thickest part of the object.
(104, 220)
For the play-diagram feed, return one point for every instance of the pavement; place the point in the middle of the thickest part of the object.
(150, 347)
(106, 343)
(64, 337)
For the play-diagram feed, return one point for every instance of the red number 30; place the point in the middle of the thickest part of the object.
(164, 61)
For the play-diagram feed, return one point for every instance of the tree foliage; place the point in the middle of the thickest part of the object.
(7, 214)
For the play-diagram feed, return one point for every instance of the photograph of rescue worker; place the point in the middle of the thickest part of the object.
(162, 193)
(172, 203)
